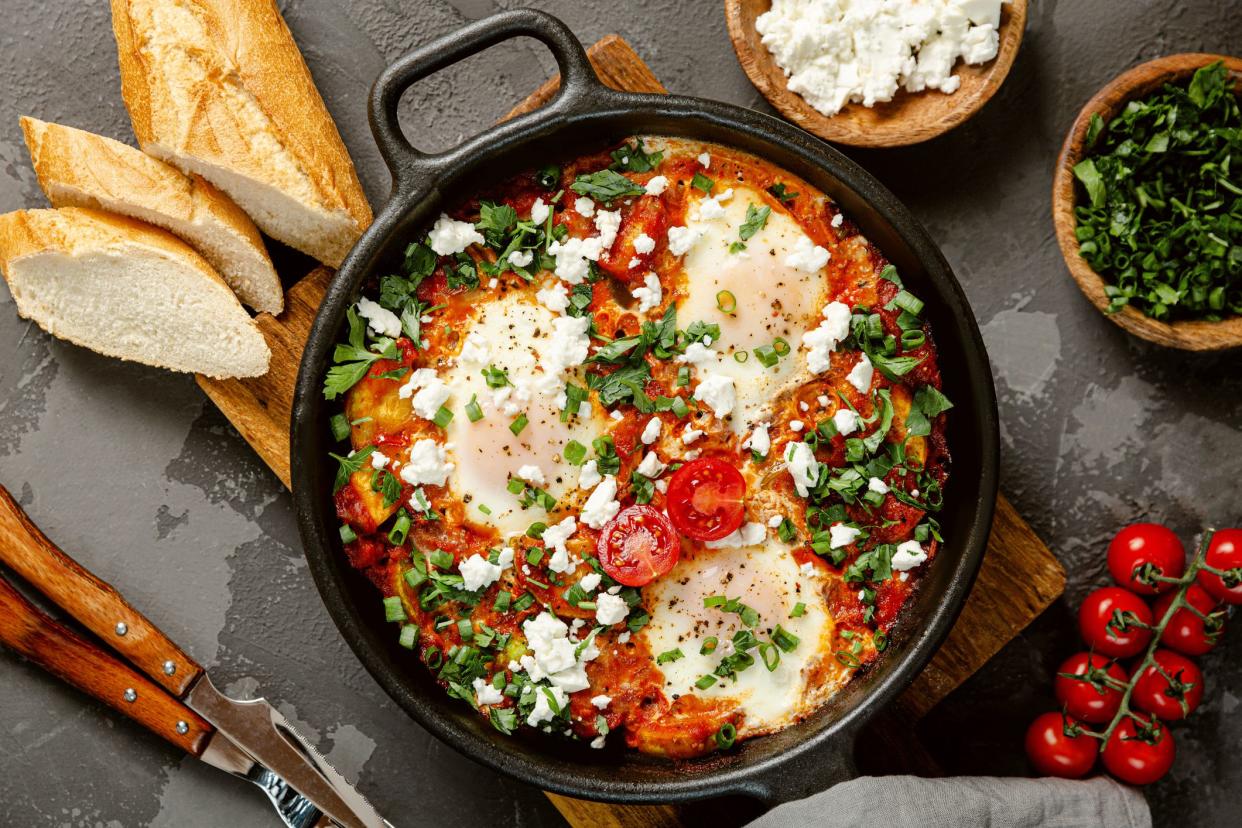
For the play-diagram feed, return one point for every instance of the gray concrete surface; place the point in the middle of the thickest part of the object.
(134, 472)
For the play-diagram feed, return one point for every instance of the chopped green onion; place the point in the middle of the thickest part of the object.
(473, 410)
(348, 535)
(770, 655)
(709, 645)
(441, 559)
(912, 339)
(524, 602)
(393, 610)
(726, 736)
(465, 629)
(679, 407)
(517, 425)
(534, 555)
(726, 302)
(705, 682)
(767, 355)
(712, 601)
(669, 655)
(784, 639)
(400, 528)
(443, 417)
(702, 182)
(340, 426)
(408, 636)
(780, 346)
(741, 356)
(798, 610)
(503, 599)
(907, 301)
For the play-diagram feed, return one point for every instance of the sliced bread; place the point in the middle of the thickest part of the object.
(81, 169)
(126, 289)
(219, 88)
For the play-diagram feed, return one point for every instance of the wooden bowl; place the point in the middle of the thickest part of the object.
(909, 118)
(1138, 82)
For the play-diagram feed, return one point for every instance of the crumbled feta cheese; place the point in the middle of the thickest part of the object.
(861, 374)
(432, 392)
(539, 211)
(846, 421)
(877, 485)
(651, 432)
(759, 440)
(583, 206)
(822, 341)
(554, 654)
(802, 406)
(588, 583)
(908, 556)
(803, 467)
(717, 392)
(840, 535)
(838, 220)
(624, 638)
(478, 573)
(705, 159)
(650, 295)
(427, 464)
(656, 185)
(598, 742)
(689, 434)
(418, 500)
(474, 351)
(543, 711)
(711, 208)
(610, 609)
(775, 521)
(379, 460)
(532, 474)
(836, 52)
(822, 399)
(748, 534)
(616, 415)
(795, 425)
(555, 538)
(681, 239)
(573, 257)
(607, 222)
(521, 258)
(807, 256)
(588, 475)
(486, 693)
(698, 355)
(651, 467)
(450, 236)
(555, 297)
(633, 263)
(602, 505)
(380, 320)
(643, 243)
(807, 568)
(567, 346)
(601, 701)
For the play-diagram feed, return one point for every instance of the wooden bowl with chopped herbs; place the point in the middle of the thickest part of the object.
(1147, 201)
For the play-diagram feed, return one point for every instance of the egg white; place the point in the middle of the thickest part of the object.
(773, 300)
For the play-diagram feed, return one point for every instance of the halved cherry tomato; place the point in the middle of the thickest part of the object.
(1173, 700)
(638, 545)
(706, 499)
(1107, 619)
(1090, 698)
(1143, 547)
(1224, 552)
(1137, 755)
(1055, 752)
(1186, 631)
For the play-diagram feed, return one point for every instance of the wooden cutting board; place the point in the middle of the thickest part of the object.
(1019, 578)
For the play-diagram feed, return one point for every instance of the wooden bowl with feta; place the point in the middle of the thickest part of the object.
(900, 89)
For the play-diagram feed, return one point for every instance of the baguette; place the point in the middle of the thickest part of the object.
(129, 290)
(219, 88)
(80, 169)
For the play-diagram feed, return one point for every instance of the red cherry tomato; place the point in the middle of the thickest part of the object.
(638, 545)
(1139, 756)
(1089, 699)
(1143, 546)
(706, 499)
(1053, 752)
(1187, 632)
(1155, 694)
(1106, 621)
(1223, 552)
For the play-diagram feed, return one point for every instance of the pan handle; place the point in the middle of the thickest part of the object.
(407, 164)
(814, 771)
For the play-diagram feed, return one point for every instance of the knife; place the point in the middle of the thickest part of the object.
(164, 690)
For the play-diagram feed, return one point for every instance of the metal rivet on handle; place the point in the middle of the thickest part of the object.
(169, 667)
(131, 695)
(183, 728)
(121, 628)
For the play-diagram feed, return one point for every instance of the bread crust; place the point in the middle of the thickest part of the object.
(223, 81)
(100, 169)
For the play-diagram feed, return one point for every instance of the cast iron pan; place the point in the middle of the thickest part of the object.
(584, 114)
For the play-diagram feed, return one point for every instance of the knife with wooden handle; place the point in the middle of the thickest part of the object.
(164, 690)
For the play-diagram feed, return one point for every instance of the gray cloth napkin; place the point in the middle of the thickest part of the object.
(984, 801)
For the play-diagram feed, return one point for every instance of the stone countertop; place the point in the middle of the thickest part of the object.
(135, 473)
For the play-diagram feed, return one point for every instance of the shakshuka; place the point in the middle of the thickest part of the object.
(643, 446)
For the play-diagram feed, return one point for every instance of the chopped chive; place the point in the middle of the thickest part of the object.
(907, 301)
(741, 356)
(485, 509)
(799, 610)
(517, 425)
(443, 417)
(400, 528)
(712, 601)
(770, 655)
(473, 410)
(767, 355)
(784, 639)
(393, 610)
(339, 425)
(408, 636)
(726, 302)
(912, 339)
(780, 346)
(726, 736)
(683, 376)
(705, 682)
(709, 645)
(465, 629)
(670, 655)
(503, 599)
(524, 602)
(679, 407)
(348, 535)
(534, 555)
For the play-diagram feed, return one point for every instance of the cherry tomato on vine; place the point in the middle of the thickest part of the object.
(1186, 632)
(706, 499)
(1170, 700)
(1139, 755)
(1090, 698)
(1111, 621)
(1224, 552)
(1141, 548)
(638, 545)
(1055, 752)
